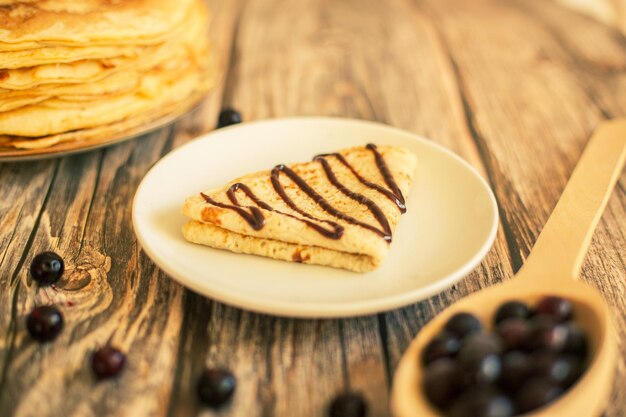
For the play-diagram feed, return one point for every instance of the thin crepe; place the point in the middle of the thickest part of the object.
(285, 235)
(90, 22)
(22, 73)
(55, 115)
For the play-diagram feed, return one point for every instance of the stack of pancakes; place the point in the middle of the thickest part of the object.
(83, 70)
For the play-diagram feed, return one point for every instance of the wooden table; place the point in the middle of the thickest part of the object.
(514, 87)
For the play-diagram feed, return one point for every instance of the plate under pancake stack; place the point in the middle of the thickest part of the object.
(77, 75)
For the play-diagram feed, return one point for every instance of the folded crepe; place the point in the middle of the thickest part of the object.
(339, 210)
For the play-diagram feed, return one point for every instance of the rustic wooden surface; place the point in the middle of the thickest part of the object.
(515, 87)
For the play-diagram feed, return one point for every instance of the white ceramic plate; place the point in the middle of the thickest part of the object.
(450, 224)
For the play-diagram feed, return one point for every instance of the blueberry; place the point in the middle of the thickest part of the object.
(463, 324)
(216, 387)
(441, 382)
(482, 370)
(482, 401)
(228, 117)
(479, 360)
(46, 268)
(513, 332)
(562, 369)
(512, 309)
(557, 308)
(445, 344)
(516, 368)
(107, 362)
(535, 393)
(479, 345)
(545, 333)
(350, 404)
(44, 323)
(576, 340)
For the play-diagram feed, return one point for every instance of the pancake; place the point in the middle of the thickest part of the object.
(56, 115)
(90, 70)
(26, 58)
(88, 22)
(12, 103)
(72, 71)
(116, 82)
(108, 133)
(344, 220)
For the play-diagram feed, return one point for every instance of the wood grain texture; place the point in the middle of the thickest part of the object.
(110, 293)
(509, 86)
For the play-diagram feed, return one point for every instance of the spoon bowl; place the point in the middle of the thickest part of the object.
(591, 391)
(550, 270)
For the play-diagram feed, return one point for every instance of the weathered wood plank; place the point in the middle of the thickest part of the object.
(534, 108)
(331, 64)
(111, 292)
(515, 95)
(24, 188)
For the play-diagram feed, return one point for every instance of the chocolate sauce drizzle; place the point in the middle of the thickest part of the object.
(335, 232)
(254, 217)
(398, 199)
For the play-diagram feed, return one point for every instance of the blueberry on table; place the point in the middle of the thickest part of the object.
(510, 310)
(463, 324)
(350, 404)
(444, 345)
(557, 308)
(228, 117)
(535, 393)
(44, 323)
(216, 387)
(107, 362)
(482, 401)
(441, 381)
(46, 268)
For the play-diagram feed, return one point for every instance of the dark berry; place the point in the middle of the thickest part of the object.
(535, 393)
(44, 323)
(479, 360)
(576, 340)
(562, 369)
(513, 332)
(545, 333)
(510, 310)
(444, 345)
(350, 404)
(557, 308)
(482, 370)
(441, 381)
(46, 268)
(228, 117)
(216, 387)
(463, 324)
(516, 368)
(107, 362)
(482, 401)
(478, 345)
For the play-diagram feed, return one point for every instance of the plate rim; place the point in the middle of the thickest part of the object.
(285, 308)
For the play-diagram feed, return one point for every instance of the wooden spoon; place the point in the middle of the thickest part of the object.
(550, 269)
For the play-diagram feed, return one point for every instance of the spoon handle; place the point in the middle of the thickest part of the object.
(560, 249)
